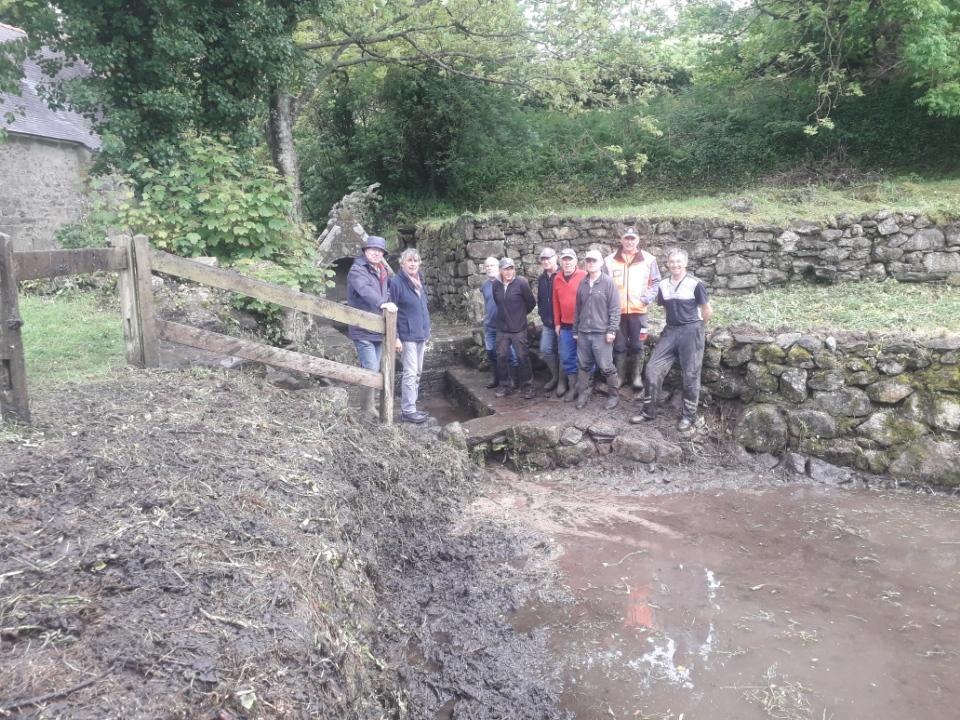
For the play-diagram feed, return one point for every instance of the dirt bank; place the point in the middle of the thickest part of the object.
(204, 545)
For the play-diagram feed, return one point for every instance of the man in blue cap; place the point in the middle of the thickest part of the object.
(368, 289)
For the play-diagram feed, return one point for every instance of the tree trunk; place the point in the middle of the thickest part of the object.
(283, 114)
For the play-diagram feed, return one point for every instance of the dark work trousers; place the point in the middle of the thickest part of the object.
(520, 345)
(628, 336)
(593, 349)
(682, 343)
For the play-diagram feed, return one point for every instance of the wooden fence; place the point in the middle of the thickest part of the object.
(135, 261)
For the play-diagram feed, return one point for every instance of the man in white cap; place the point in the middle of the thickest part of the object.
(548, 336)
(595, 326)
(637, 277)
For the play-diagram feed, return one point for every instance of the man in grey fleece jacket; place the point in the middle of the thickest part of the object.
(595, 325)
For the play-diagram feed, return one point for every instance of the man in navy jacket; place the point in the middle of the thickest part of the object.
(514, 300)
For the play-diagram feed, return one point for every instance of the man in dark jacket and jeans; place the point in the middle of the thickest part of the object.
(367, 289)
(548, 336)
(595, 325)
(514, 300)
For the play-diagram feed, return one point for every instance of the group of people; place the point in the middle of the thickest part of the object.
(594, 320)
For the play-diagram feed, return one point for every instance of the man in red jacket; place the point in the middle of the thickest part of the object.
(565, 285)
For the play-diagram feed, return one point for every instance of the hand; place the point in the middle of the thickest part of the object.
(389, 307)
(611, 337)
(557, 328)
(575, 338)
(399, 346)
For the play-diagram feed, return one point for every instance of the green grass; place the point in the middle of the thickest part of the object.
(69, 337)
(937, 199)
(874, 306)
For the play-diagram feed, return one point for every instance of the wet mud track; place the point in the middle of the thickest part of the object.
(743, 599)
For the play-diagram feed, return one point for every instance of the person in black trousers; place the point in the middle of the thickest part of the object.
(514, 300)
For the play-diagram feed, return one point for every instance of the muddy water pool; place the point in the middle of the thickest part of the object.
(756, 601)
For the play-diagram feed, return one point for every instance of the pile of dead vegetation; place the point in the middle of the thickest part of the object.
(204, 545)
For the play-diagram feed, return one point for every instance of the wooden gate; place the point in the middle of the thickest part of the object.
(134, 260)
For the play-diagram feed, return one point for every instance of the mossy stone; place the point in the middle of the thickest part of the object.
(799, 357)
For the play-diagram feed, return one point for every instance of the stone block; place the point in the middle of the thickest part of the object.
(733, 265)
(636, 447)
(536, 436)
(929, 461)
(887, 226)
(572, 455)
(743, 282)
(888, 391)
(762, 429)
(887, 428)
(942, 262)
(824, 472)
(737, 355)
(488, 233)
(793, 385)
(806, 423)
(826, 380)
(571, 436)
(927, 239)
(705, 249)
(845, 402)
(480, 250)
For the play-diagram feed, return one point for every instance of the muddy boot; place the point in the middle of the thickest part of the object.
(562, 384)
(583, 389)
(613, 396)
(648, 412)
(571, 393)
(368, 402)
(620, 363)
(553, 365)
(528, 392)
(636, 379)
(494, 377)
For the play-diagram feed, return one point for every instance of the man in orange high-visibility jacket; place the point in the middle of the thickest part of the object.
(637, 276)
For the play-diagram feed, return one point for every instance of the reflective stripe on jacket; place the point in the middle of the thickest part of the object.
(637, 282)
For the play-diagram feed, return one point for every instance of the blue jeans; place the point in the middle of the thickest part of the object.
(490, 344)
(369, 353)
(568, 352)
(548, 341)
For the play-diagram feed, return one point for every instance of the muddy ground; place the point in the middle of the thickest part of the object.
(204, 545)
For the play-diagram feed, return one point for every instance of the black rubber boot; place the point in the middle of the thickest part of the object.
(553, 366)
(584, 391)
(613, 396)
(494, 372)
(562, 384)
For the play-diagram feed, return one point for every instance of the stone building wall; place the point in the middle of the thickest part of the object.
(730, 257)
(42, 186)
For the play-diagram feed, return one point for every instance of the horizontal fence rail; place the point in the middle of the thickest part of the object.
(134, 260)
(287, 297)
(58, 263)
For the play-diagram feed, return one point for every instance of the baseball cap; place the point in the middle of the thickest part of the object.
(568, 253)
(506, 263)
(593, 255)
(631, 231)
(547, 253)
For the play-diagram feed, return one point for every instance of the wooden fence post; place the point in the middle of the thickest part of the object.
(136, 304)
(14, 402)
(388, 366)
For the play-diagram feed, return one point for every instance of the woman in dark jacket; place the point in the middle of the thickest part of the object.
(413, 331)
(368, 289)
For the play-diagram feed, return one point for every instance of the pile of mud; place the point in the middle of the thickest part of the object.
(204, 545)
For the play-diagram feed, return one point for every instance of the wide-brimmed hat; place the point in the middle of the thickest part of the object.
(375, 242)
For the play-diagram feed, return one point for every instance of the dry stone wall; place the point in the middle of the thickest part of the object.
(730, 257)
(871, 402)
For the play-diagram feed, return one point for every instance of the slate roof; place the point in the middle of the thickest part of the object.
(32, 115)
